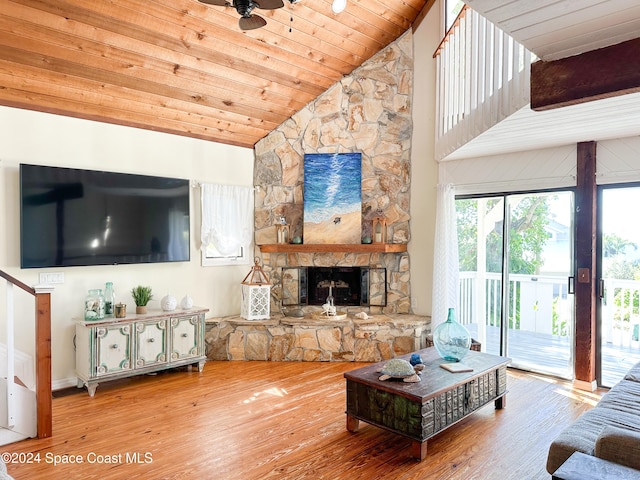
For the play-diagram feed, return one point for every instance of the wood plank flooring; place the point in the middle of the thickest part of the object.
(269, 420)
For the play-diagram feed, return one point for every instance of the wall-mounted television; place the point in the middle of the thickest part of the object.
(73, 217)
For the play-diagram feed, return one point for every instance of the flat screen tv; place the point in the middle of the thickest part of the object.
(72, 217)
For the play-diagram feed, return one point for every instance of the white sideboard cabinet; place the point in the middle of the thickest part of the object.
(122, 347)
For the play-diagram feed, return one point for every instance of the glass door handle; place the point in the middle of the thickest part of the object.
(571, 285)
(601, 288)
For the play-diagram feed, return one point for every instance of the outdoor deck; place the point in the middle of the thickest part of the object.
(551, 354)
(543, 307)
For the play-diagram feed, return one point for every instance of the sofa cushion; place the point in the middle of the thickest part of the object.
(581, 436)
(624, 396)
(620, 446)
(634, 373)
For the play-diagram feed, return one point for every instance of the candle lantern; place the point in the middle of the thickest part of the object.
(282, 231)
(256, 294)
(379, 230)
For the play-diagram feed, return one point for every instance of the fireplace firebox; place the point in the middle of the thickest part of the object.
(349, 286)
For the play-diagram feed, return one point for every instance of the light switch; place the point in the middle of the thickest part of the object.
(51, 278)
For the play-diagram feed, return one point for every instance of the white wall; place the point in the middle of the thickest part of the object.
(424, 168)
(45, 139)
(617, 161)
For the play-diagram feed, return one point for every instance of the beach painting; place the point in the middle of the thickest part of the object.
(332, 198)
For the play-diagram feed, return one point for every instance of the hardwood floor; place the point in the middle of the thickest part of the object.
(268, 420)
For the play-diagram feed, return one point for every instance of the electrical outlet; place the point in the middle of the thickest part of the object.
(51, 278)
(414, 302)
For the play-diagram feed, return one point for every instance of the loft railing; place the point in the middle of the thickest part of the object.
(483, 76)
(44, 420)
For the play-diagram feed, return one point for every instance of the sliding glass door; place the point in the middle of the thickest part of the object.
(515, 259)
(619, 288)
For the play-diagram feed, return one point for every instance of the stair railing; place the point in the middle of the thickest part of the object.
(42, 297)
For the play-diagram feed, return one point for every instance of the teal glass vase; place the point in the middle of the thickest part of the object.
(451, 339)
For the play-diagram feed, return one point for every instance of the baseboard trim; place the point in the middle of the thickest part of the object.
(64, 383)
(587, 386)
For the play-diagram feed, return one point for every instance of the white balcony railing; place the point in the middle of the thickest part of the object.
(541, 304)
(482, 77)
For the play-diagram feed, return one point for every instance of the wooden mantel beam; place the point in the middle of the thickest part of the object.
(602, 73)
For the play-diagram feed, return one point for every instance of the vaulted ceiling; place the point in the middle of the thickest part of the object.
(183, 67)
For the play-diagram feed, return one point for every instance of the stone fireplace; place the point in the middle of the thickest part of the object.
(347, 286)
(368, 111)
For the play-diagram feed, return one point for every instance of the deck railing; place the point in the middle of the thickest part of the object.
(541, 303)
(42, 297)
(483, 76)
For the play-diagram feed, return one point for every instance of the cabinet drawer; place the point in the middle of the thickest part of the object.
(151, 342)
(113, 349)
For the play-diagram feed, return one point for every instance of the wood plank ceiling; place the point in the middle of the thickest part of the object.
(183, 67)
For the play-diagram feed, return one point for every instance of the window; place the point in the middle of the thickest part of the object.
(452, 9)
(227, 224)
(211, 257)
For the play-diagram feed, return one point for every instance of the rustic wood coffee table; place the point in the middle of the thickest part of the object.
(421, 410)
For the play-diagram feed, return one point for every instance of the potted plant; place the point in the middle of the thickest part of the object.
(141, 295)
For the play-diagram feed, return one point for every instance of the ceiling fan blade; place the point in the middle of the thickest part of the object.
(220, 3)
(269, 4)
(251, 22)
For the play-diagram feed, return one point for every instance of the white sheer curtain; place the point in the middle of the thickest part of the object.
(227, 217)
(446, 287)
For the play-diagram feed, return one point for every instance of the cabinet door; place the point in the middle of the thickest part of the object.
(151, 343)
(113, 349)
(185, 332)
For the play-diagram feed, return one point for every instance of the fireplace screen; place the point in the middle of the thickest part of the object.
(349, 286)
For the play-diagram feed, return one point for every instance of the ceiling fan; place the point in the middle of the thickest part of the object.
(248, 21)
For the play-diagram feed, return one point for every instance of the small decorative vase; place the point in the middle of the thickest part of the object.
(94, 305)
(415, 359)
(186, 303)
(141, 309)
(168, 303)
(451, 339)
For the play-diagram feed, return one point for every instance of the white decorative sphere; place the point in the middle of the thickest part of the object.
(168, 303)
(187, 302)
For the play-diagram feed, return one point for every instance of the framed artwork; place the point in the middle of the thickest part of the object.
(332, 198)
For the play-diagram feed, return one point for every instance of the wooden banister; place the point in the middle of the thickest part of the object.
(455, 23)
(44, 420)
(18, 283)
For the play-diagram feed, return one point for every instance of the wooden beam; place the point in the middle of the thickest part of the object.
(602, 73)
(585, 266)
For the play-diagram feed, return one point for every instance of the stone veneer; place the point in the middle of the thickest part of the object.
(378, 338)
(368, 111)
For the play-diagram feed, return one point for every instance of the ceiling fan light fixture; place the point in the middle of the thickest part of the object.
(338, 5)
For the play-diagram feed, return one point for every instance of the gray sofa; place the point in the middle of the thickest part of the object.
(610, 430)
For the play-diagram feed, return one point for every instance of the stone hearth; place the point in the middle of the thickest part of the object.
(280, 338)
